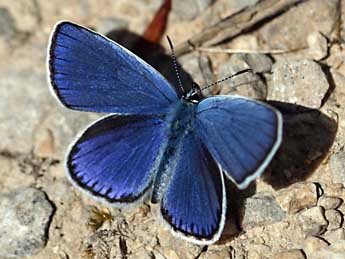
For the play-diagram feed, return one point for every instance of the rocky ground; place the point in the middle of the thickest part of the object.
(294, 211)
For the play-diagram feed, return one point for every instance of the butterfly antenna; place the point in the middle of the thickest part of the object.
(175, 63)
(227, 78)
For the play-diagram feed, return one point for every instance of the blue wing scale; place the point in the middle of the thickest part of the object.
(242, 135)
(89, 72)
(194, 204)
(115, 158)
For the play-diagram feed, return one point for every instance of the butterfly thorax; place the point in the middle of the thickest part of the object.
(181, 121)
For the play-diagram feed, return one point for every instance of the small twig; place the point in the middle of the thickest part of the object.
(237, 24)
(249, 51)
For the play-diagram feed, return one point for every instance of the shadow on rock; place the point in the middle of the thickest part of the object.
(153, 54)
(235, 206)
(307, 137)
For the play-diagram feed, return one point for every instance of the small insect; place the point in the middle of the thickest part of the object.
(88, 253)
(171, 146)
(98, 217)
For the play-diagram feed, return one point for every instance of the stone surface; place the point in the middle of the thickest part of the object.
(7, 25)
(329, 202)
(189, 9)
(255, 250)
(25, 216)
(261, 210)
(313, 244)
(168, 253)
(318, 45)
(237, 5)
(292, 254)
(248, 84)
(290, 30)
(297, 197)
(337, 166)
(13, 173)
(215, 254)
(312, 221)
(335, 235)
(199, 68)
(334, 218)
(58, 129)
(334, 251)
(299, 82)
(16, 131)
(260, 63)
(27, 11)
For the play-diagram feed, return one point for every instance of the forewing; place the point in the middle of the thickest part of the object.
(89, 72)
(241, 134)
(194, 204)
(116, 157)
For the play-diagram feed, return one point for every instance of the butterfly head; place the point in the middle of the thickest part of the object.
(194, 95)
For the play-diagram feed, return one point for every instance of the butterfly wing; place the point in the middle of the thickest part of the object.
(241, 134)
(194, 204)
(89, 72)
(116, 157)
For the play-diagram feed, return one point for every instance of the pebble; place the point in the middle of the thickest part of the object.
(168, 253)
(334, 218)
(337, 167)
(27, 13)
(189, 9)
(329, 202)
(260, 63)
(248, 84)
(7, 24)
(260, 210)
(299, 82)
(335, 235)
(339, 91)
(290, 254)
(199, 67)
(166, 239)
(27, 103)
(313, 244)
(256, 250)
(238, 5)
(318, 45)
(253, 254)
(289, 31)
(139, 253)
(25, 216)
(215, 254)
(333, 251)
(312, 221)
(297, 197)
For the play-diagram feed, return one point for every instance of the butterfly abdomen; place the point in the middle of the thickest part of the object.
(181, 123)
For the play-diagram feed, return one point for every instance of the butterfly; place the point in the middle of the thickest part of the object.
(172, 147)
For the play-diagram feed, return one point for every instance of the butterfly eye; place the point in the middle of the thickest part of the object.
(194, 95)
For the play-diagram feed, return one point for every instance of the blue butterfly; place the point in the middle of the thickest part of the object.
(172, 148)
